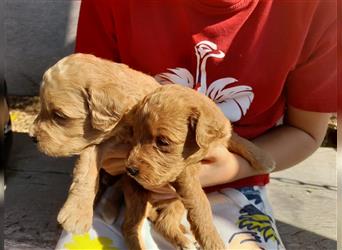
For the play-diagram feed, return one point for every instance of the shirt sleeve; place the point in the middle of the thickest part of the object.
(96, 30)
(312, 85)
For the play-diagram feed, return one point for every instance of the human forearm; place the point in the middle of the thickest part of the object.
(289, 144)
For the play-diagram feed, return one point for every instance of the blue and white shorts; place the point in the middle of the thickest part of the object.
(242, 217)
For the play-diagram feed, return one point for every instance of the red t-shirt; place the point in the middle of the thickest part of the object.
(253, 58)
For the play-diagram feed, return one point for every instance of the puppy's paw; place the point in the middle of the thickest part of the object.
(76, 215)
(266, 163)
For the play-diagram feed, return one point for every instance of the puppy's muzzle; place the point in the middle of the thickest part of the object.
(132, 170)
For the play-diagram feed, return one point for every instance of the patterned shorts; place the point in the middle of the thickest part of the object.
(242, 217)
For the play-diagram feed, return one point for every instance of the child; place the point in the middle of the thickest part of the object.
(269, 65)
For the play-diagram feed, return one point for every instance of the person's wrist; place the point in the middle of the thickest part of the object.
(245, 169)
(230, 168)
(218, 170)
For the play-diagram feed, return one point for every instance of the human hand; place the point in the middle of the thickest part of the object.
(114, 158)
(221, 166)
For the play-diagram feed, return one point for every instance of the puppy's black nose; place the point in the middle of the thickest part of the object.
(132, 170)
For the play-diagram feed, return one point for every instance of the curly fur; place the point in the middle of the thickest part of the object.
(171, 137)
(83, 99)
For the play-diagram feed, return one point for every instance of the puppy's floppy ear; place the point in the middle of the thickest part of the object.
(106, 107)
(190, 145)
(206, 127)
(203, 130)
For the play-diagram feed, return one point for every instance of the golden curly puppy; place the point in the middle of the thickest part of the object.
(173, 129)
(83, 99)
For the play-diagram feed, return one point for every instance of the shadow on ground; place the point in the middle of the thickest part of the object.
(295, 238)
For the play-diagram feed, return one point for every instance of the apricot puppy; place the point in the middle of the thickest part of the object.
(170, 138)
(83, 99)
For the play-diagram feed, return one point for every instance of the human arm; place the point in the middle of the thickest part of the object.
(310, 86)
(288, 144)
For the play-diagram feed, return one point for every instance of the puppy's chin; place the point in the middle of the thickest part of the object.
(151, 182)
(151, 186)
(58, 150)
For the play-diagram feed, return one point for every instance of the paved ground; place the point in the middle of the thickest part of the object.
(304, 202)
(303, 198)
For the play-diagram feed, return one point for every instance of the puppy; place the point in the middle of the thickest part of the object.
(170, 138)
(83, 99)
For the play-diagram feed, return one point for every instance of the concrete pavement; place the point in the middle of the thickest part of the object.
(303, 198)
(304, 202)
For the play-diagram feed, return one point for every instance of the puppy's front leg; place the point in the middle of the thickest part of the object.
(77, 213)
(199, 211)
(137, 208)
(168, 223)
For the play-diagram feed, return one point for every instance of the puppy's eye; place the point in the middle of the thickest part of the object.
(58, 116)
(161, 142)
